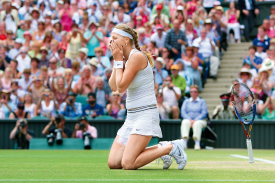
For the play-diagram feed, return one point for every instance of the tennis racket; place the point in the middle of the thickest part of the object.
(245, 109)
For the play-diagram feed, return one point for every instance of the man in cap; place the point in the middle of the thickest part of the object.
(178, 80)
(92, 38)
(159, 37)
(17, 45)
(164, 9)
(160, 74)
(25, 10)
(260, 53)
(224, 111)
(83, 126)
(70, 108)
(160, 13)
(22, 134)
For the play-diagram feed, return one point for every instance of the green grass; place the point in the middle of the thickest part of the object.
(85, 166)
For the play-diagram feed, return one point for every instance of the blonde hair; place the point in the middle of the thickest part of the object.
(26, 95)
(195, 86)
(134, 41)
(56, 83)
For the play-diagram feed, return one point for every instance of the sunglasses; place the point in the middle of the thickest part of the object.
(116, 95)
(168, 80)
(193, 91)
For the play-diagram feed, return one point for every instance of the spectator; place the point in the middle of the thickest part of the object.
(266, 84)
(258, 89)
(142, 39)
(65, 16)
(171, 95)
(148, 29)
(75, 72)
(184, 74)
(268, 112)
(17, 45)
(35, 72)
(35, 50)
(94, 13)
(262, 38)
(15, 73)
(47, 39)
(64, 43)
(245, 77)
(252, 59)
(191, 7)
(209, 4)
(163, 107)
(36, 87)
(92, 109)
(9, 16)
(53, 69)
(6, 79)
(30, 107)
(78, 133)
(260, 53)
(5, 102)
(178, 80)
(86, 83)
(259, 102)
(248, 11)
(16, 93)
(74, 39)
(39, 35)
(152, 48)
(212, 34)
(5, 59)
(85, 23)
(59, 122)
(115, 108)
(26, 80)
(194, 113)
(224, 110)
(54, 48)
(19, 112)
(161, 6)
(102, 96)
(57, 28)
(232, 15)
(59, 89)
(9, 40)
(70, 108)
(46, 105)
(26, 10)
(160, 74)
(159, 12)
(92, 38)
(125, 18)
(266, 26)
(191, 33)
(22, 134)
(63, 61)
(175, 38)
(83, 59)
(159, 37)
(44, 76)
(103, 61)
(44, 61)
(167, 60)
(106, 77)
(23, 59)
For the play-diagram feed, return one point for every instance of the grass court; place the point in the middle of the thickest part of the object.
(91, 166)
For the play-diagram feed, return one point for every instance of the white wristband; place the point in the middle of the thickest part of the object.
(118, 64)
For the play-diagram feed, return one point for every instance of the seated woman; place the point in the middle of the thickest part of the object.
(115, 108)
(59, 90)
(47, 40)
(163, 107)
(167, 60)
(232, 15)
(5, 82)
(46, 105)
(15, 73)
(6, 104)
(194, 113)
(20, 112)
(258, 89)
(30, 107)
(35, 88)
(268, 111)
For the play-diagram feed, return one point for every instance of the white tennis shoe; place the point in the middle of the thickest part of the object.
(178, 153)
(167, 160)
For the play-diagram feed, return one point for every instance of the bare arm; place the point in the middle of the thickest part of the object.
(109, 109)
(112, 80)
(47, 127)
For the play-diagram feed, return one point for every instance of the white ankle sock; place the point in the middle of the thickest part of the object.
(185, 141)
(197, 142)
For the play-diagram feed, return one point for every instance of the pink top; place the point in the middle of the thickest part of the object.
(81, 4)
(4, 85)
(92, 130)
(192, 9)
(271, 33)
(66, 21)
(232, 19)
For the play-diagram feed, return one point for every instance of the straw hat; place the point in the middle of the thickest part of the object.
(244, 70)
(6, 92)
(93, 62)
(263, 69)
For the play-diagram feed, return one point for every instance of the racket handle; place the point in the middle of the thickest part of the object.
(249, 149)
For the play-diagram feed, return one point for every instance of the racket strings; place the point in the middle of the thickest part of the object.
(243, 102)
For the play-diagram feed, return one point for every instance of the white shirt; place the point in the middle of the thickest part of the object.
(47, 6)
(208, 3)
(22, 82)
(126, 19)
(91, 2)
(23, 63)
(13, 52)
(263, 55)
(159, 40)
(170, 97)
(15, 99)
(23, 11)
(204, 47)
(95, 17)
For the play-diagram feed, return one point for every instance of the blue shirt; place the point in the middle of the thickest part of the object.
(88, 110)
(6, 109)
(69, 111)
(158, 78)
(194, 110)
(100, 69)
(257, 60)
(212, 35)
(93, 43)
(266, 42)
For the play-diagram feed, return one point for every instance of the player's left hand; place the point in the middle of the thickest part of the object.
(117, 52)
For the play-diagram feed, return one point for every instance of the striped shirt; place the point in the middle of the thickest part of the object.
(171, 40)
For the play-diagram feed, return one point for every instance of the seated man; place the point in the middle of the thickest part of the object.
(194, 113)
(224, 111)
(70, 108)
(171, 95)
(59, 122)
(92, 109)
(83, 126)
(22, 134)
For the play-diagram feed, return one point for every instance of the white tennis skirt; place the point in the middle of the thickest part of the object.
(142, 121)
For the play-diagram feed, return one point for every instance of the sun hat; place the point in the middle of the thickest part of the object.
(244, 70)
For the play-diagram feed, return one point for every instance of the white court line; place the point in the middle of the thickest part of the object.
(127, 180)
(258, 159)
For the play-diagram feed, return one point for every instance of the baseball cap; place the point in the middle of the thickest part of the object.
(159, 59)
(18, 40)
(159, 26)
(208, 21)
(180, 8)
(159, 7)
(175, 67)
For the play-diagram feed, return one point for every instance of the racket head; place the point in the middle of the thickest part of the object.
(244, 103)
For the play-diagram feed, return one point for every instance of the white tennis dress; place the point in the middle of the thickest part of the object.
(142, 113)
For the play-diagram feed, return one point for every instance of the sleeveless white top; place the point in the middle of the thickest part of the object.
(141, 91)
(47, 111)
(30, 110)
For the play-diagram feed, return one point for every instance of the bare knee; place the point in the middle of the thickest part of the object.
(127, 165)
(112, 165)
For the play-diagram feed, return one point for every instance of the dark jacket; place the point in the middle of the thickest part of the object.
(242, 6)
